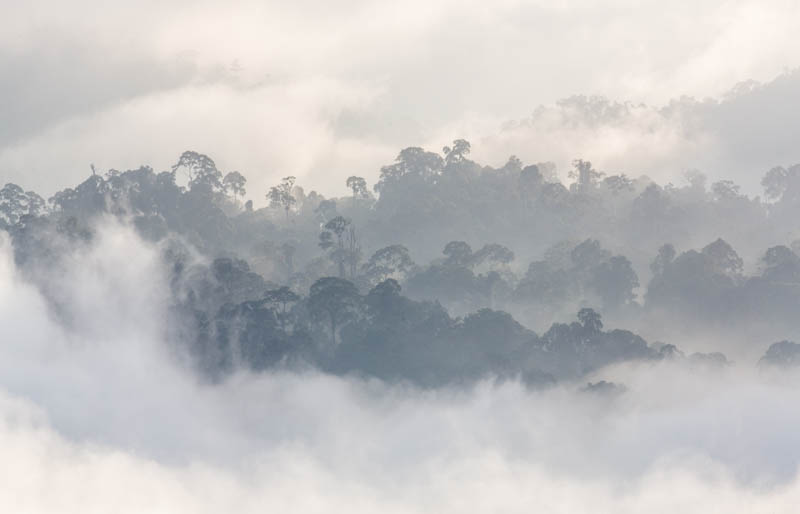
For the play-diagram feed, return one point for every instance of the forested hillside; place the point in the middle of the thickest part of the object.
(445, 270)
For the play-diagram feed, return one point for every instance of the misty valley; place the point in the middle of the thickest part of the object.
(455, 273)
(419, 257)
(451, 311)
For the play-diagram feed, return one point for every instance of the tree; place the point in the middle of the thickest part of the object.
(325, 211)
(618, 183)
(457, 153)
(696, 179)
(781, 264)
(725, 190)
(410, 162)
(545, 283)
(723, 257)
(389, 262)
(493, 253)
(588, 254)
(774, 182)
(585, 176)
(666, 254)
(281, 196)
(202, 171)
(235, 182)
(352, 249)
(782, 184)
(652, 206)
(530, 180)
(359, 187)
(286, 253)
(458, 253)
(336, 227)
(384, 301)
(281, 297)
(88, 197)
(16, 203)
(779, 255)
(590, 320)
(614, 281)
(783, 354)
(334, 299)
(513, 164)
(554, 195)
(386, 288)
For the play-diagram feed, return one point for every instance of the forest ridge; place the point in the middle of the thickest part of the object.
(424, 276)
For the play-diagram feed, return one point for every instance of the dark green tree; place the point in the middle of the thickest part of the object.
(334, 300)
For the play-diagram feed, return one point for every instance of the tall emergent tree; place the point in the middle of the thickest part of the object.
(281, 196)
(585, 175)
(202, 171)
(235, 182)
(458, 152)
(358, 186)
(339, 254)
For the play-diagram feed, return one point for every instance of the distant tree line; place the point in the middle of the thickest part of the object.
(422, 277)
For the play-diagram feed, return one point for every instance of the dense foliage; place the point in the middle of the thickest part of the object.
(425, 279)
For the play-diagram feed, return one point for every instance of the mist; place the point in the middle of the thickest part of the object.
(368, 257)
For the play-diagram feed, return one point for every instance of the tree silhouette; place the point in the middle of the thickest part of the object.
(458, 152)
(235, 183)
(202, 171)
(336, 227)
(281, 196)
(359, 187)
(334, 299)
(281, 297)
(590, 320)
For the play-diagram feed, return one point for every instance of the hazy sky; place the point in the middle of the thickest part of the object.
(323, 90)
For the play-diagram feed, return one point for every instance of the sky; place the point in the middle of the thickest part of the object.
(324, 90)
